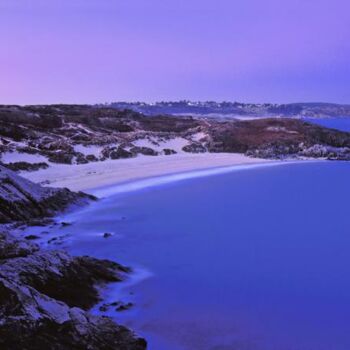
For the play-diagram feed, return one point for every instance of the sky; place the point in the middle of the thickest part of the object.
(92, 51)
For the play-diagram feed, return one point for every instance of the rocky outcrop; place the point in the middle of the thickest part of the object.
(45, 295)
(62, 277)
(278, 138)
(61, 157)
(116, 153)
(39, 297)
(146, 151)
(25, 166)
(13, 248)
(194, 147)
(168, 151)
(22, 200)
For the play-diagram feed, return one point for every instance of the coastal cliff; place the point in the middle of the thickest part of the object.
(45, 295)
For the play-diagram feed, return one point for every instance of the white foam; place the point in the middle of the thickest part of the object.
(161, 180)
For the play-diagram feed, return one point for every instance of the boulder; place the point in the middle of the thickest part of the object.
(194, 148)
(168, 151)
(147, 151)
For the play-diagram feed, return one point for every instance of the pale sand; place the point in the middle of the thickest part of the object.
(84, 177)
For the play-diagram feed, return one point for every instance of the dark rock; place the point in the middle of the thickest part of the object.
(115, 303)
(30, 320)
(168, 151)
(91, 158)
(65, 224)
(31, 237)
(61, 157)
(11, 247)
(116, 153)
(40, 293)
(194, 148)
(80, 137)
(144, 150)
(22, 200)
(25, 166)
(59, 276)
(41, 222)
(107, 235)
(124, 306)
(81, 159)
(120, 153)
(103, 308)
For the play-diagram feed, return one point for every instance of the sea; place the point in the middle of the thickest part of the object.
(254, 258)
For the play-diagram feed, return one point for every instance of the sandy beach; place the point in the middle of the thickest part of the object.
(84, 177)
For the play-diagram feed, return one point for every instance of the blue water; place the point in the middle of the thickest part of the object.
(254, 259)
(342, 124)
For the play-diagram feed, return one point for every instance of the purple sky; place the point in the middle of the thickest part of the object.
(106, 50)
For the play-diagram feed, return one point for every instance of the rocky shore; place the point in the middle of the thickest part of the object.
(45, 295)
(37, 137)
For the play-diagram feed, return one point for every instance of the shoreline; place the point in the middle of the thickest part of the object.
(107, 292)
(137, 184)
(91, 176)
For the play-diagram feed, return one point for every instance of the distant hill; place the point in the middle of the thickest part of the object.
(231, 109)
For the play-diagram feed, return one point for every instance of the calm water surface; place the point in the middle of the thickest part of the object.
(342, 124)
(254, 259)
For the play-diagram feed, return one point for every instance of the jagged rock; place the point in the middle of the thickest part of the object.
(11, 247)
(41, 291)
(30, 320)
(22, 200)
(39, 295)
(56, 274)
